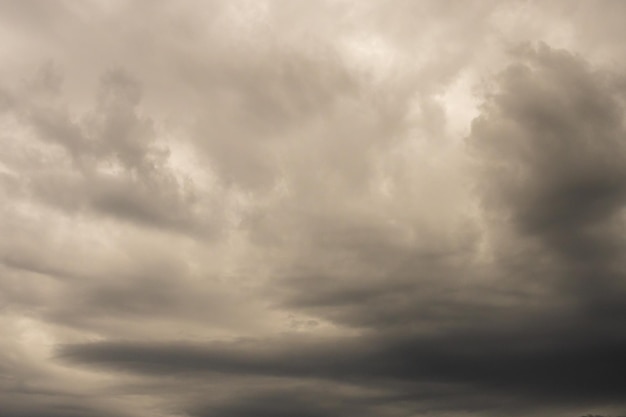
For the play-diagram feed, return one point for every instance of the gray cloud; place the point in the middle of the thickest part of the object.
(540, 364)
(115, 167)
(280, 208)
(551, 142)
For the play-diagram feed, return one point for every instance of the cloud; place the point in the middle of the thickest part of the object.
(269, 208)
(109, 162)
(551, 151)
(531, 364)
(421, 331)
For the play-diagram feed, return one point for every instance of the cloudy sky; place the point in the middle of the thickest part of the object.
(299, 208)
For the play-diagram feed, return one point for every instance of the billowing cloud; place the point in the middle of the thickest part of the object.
(283, 208)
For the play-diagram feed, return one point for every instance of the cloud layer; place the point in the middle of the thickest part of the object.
(283, 208)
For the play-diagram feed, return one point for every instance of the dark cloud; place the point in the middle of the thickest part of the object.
(550, 140)
(274, 209)
(285, 403)
(553, 136)
(552, 178)
(535, 364)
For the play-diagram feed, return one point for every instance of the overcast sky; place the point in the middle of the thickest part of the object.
(289, 208)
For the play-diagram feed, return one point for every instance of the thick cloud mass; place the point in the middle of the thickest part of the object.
(337, 208)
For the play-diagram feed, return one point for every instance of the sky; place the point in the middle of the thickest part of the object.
(290, 208)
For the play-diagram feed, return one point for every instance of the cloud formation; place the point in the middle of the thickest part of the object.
(284, 209)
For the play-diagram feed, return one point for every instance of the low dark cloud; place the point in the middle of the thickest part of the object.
(532, 364)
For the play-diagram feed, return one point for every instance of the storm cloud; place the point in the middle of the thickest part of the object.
(292, 208)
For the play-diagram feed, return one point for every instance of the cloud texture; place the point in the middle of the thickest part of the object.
(292, 208)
